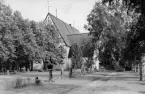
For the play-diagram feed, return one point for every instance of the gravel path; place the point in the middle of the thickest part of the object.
(113, 83)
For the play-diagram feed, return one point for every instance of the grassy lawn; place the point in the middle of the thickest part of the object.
(60, 86)
(45, 89)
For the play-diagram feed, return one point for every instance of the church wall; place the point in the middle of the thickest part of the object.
(67, 61)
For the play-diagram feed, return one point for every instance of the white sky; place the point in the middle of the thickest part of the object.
(70, 11)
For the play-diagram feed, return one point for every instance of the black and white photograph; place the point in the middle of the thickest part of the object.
(72, 46)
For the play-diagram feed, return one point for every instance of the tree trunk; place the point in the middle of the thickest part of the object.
(62, 70)
(70, 74)
(116, 62)
(138, 68)
(141, 71)
(4, 69)
(8, 72)
(17, 67)
(13, 66)
(26, 68)
(0, 67)
(134, 68)
(31, 65)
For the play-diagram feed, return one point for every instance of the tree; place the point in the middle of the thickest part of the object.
(22, 40)
(7, 28)
(137, 38)
(138, 5)
(76, 58)
(61, 54)
(88, 50)
(87, 47)
(109, 25)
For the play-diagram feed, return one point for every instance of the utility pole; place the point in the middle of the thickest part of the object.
(56, 13)
(48, 6)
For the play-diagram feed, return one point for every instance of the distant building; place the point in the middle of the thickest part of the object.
(68, 36)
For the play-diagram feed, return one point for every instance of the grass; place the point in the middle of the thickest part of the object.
(60, 86)
(45, 89)
(21, 84)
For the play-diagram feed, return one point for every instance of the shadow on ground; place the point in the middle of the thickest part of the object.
(89, 77)
(126, 76)
(45, 89)
(110, 88)
(137, 82)
(142, 92)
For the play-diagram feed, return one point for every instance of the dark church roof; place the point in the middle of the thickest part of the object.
(81, 39)
(63, 28)
(78, 38)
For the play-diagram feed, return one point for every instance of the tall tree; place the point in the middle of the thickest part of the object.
(110, 25)
(23, 40)
(137, 40)
(138, 5)
(76, 58)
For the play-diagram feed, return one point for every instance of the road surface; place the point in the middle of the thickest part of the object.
(113, 83)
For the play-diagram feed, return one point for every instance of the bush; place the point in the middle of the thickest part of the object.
(21, 82)
(77, 72)
(18, 83)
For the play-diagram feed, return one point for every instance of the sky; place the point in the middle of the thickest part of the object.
(73, 12)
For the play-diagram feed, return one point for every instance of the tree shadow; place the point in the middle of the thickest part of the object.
(91, 77)
(125, 78)
(140, 83)
(142, 92)
(106, 77)
(110, 88)
(45, 88)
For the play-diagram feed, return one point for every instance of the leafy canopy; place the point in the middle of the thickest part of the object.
(109, 26)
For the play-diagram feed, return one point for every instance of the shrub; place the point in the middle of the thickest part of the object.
(18, 83)
(21, 82)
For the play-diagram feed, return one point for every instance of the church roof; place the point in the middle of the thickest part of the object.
(80, 39)
(63, 28)
(69, 34)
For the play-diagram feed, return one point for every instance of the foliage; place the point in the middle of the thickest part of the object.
(76, 56)
(136, 39)
(136, 36)
(110, 25)
(19, 83)
(89, 62)
(138, 5)
(22, 40)
(87, 47)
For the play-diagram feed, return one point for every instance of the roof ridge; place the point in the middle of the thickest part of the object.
(62, 21)
(46, 17)
(77, 34)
